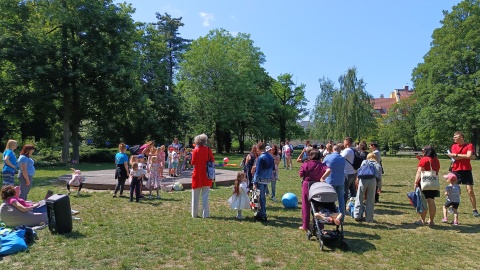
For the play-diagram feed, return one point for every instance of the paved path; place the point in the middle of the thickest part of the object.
(105, 179)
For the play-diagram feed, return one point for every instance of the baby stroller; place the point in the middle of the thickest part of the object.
(322, 198)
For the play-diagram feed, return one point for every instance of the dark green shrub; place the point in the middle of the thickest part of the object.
(97, 155)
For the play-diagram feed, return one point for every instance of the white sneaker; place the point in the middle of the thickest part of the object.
(274, 199)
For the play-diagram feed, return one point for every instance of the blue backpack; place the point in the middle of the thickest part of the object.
(12, 242)
(367, 171)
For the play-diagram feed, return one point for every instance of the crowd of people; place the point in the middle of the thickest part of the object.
(334, 163)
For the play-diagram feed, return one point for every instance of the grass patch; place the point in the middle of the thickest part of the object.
(160, 234)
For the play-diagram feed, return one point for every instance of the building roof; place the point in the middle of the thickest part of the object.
(382, 105)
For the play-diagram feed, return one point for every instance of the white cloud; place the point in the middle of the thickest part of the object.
(174, 12)
(207, 18)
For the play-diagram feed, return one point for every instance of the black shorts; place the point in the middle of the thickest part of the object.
(431, 194)
(454, 205)
(464, 177)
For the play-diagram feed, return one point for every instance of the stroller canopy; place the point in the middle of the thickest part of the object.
(322, 192)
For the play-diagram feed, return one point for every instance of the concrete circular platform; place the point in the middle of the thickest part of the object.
(105, 179)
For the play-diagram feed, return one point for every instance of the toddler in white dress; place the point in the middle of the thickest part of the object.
(239, 199)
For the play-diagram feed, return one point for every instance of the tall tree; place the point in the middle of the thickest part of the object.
(220, 73)
(83, 59)
(176, 45)
(447, 82)
(349, 113)
(399, 124)
(290, 105)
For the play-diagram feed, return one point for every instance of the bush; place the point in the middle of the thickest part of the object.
(51, 157)
(97, 155)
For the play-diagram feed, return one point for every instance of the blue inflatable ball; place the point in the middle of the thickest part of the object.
(290, 200)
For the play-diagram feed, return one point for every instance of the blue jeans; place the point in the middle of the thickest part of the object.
(24, 189)
(8, 178)
(135, 187)
(341, 202)
(350, 186)
(274, 187)
(263, 200)
(40, 209)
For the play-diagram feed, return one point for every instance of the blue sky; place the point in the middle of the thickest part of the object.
(384, 39)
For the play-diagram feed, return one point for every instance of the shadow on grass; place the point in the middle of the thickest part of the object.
(74, 235)
(360, 235)
(396, 204)
(462, 228)
(388, 212)
(359, 246)
(401, 186)
(388, 191)
(383, 225)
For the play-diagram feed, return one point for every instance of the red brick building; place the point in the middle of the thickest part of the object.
(382, 105)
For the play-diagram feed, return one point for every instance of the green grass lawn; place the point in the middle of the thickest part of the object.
(160, 234)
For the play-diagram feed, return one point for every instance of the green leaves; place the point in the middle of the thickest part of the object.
(220, 80)
(343, 111)
(447, 82)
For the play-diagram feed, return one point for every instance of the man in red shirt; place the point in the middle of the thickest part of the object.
(462, 153)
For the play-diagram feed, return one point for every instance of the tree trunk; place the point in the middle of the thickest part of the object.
(241, 138)
(283, 130)
(66, 97)
(228, 141)
(66, 126)
(218, 138)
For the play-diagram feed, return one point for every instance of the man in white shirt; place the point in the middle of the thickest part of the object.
(350, 172)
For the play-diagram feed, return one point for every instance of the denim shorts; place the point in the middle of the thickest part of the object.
(8, 178)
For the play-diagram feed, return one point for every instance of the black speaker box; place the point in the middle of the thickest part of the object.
(59, 213)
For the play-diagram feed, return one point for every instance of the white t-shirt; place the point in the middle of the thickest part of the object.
(287, 150)
(137, 173)
(142, 166)
(348, 154)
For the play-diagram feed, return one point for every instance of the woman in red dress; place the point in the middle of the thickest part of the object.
(200, 182)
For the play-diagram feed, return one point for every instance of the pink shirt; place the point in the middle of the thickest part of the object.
(19, 200)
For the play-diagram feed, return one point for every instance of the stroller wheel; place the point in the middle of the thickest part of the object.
(309, 235)
(321, 245)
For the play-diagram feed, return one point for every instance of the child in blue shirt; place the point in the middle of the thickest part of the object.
(452, 191)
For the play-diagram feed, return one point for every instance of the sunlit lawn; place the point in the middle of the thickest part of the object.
(160, 234)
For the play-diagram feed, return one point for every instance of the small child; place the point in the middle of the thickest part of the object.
(154, 180)
(325, 216)
(161, 160)
(76, 181)
(351, 206)
(188, 158)
(239, 199)
(142, 165)
(137, 176)
(452, 191)
(181, 161)
(172, 162)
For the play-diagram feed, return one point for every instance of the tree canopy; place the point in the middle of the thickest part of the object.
(447, 82)
(343, 111)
